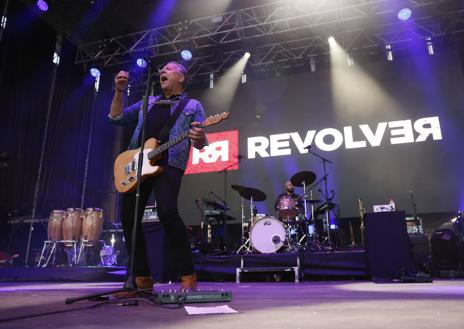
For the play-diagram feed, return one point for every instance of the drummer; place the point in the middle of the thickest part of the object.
(295, 204)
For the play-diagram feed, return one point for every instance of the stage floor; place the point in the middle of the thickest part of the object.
(260, 305)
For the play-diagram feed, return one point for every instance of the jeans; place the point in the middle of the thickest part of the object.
(166, 187)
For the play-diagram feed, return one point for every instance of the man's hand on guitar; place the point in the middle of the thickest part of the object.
(197, 135)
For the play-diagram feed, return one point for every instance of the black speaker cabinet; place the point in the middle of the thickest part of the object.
(388, 246)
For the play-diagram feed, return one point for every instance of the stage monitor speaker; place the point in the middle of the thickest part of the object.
(445, 250)
(388, 246)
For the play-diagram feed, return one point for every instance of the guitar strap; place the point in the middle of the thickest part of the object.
(172, 119)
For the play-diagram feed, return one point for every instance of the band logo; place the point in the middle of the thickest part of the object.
(221, 152)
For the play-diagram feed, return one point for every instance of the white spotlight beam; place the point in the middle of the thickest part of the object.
(220, 98)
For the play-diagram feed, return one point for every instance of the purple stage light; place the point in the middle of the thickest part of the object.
(42, 5)
(186, 55)
(95, 72)
(404, 14)
(142, 63)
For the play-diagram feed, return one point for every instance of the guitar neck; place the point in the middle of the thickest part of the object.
(163, 147)
(212, 120)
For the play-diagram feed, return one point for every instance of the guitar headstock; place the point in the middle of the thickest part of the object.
(214, 119)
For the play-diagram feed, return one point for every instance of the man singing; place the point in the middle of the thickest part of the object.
(166, 186)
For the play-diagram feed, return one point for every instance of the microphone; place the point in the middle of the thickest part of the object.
(308, 147)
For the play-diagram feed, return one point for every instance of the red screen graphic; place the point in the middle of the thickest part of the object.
(221, 152)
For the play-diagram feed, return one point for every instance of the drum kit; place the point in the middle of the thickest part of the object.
(294, 227)
(75, 229)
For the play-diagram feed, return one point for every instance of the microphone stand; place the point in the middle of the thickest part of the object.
(326, 193)
(416, 221)
(130, 285)
(226, 236)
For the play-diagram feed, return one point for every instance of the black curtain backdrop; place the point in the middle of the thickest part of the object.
(25, 82)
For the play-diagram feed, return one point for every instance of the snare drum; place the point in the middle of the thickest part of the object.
(267, 235)
(286, 208)
(92, 224)
(72, 224)
(55, 225)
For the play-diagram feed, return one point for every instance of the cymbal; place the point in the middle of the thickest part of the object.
(308, 177)
(249, 192)
(238, 187)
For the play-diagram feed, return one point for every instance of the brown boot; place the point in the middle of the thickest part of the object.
(189, 282)
(144, 282)
(141, 282)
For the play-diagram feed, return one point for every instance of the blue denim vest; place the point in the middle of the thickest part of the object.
(179, 153)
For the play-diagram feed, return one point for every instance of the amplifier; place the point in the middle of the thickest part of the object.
(414, 227)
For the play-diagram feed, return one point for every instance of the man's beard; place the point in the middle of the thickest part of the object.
(290, 190)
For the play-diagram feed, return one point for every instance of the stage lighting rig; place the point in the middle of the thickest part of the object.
(404, 14)
(141, 62)
(42, 5)
(95, 72)
(186, 54)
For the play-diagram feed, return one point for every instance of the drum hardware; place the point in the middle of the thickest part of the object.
(225, 171)
(254, 195)
(212, 212)
(92, 226)
(303, 179)
(362, 210)
(75, 230)
(55, 232)
(326, 192)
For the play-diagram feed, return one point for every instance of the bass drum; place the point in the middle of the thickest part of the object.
(267, 235)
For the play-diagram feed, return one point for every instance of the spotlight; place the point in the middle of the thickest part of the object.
(430, 49)
(247, 55)
(404, 14)
(211, 80)
(312, 64)
(42, 5)
(388, 47)
(331, 39)
(95, 72)
(142, 63)
(186, 55)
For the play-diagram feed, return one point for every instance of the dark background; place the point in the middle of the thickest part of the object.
(420, 85)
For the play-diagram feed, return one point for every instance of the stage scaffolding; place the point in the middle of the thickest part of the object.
(281, 34)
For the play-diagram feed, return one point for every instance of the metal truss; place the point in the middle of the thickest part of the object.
(281, 34)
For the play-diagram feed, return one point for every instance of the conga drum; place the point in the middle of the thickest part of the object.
(55, 225)
(92, 225)
(72, 225)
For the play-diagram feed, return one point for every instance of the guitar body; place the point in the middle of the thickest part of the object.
(126, 164)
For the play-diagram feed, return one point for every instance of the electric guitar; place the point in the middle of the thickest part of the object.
(126, 164)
